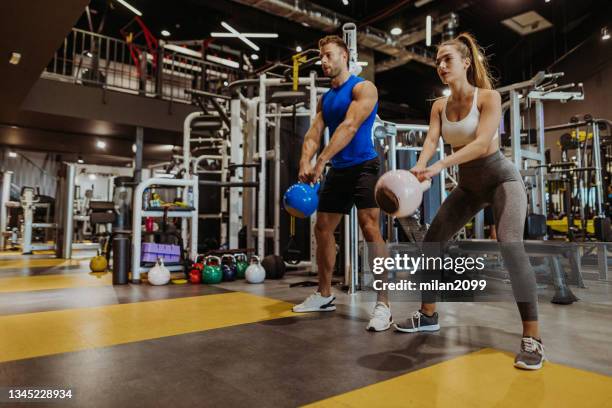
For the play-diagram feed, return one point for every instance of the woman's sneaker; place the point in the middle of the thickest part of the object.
(316, 303)
(380, 319)
(531, 355)
(419, 322)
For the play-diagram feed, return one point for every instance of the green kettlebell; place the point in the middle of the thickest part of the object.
(212, 270)
(242, 263)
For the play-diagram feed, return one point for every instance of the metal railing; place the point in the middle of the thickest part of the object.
(96, 60)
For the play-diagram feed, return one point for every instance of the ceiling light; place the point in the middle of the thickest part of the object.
(89, 54)
(15, 58)
(12, 154)
(396, 31)
(80, 160)
(254, 57)
(421, 3)
(165, 33)
(298, 48)
(130, 7)
(345, 2)
(183, 50)
(605, 34)
(239, 35)
(428, 31)
(546, 1)
(360, 63)
(225, 83)
(223, 61)
(247, 35)
(101, 144)
(134, 148)
(92, 176)
(446, 92)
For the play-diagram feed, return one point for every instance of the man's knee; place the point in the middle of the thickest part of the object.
(323, 229)
(371, 231)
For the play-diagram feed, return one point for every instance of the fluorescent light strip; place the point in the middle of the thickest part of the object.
(360, 63)
(130, 7)
(421, 3)
(248, 35)
(428, 31)
(242, 37)
(183, 50)
(223, 61)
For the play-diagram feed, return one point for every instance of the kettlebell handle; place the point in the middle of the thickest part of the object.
(213, 257)
(425, 185)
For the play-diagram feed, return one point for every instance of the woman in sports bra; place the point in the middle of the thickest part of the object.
(468, 120)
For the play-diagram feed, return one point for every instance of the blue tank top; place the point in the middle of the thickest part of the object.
(335, 104)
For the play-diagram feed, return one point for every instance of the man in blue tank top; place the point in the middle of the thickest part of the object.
(348, 109)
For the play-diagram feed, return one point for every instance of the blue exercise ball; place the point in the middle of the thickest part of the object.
(301, 199)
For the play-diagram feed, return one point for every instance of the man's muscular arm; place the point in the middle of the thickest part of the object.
(312, 141)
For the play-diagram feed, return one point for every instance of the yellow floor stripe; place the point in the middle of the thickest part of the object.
(38, 334)
(48, 282)
(483, 379)
(26, 262)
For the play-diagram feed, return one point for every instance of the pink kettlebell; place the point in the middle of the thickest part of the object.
(399, 193)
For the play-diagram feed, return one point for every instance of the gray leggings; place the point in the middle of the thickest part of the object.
(492, 180)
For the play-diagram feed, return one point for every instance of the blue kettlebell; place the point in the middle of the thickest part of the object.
(228, 266)
(301, 199)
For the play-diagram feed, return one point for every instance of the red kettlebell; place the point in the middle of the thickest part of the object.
(195, 274)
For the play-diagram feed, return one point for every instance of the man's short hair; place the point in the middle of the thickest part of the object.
(334, 39)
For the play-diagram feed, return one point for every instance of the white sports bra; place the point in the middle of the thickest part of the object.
(463, 131)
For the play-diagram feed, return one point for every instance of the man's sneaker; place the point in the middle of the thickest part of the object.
(380, 319)
(531, 355)
(316, 303)
(419, 322)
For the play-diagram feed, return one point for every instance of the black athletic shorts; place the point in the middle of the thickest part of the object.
(350, 185)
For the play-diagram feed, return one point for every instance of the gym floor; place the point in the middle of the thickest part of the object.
(237, 344)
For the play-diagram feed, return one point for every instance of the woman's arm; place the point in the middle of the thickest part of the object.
(433, 135)
(490, 116)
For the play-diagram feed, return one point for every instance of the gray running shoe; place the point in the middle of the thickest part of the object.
(531, 355)
(418, 322)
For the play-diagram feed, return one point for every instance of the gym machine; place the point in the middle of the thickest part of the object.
(30, 202)
(261, 113)
(582, 178)
(518, 99)
(32, 223)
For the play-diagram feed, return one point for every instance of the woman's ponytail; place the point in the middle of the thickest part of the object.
(478, 72)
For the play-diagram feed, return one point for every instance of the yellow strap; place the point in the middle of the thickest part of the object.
(298, 59)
